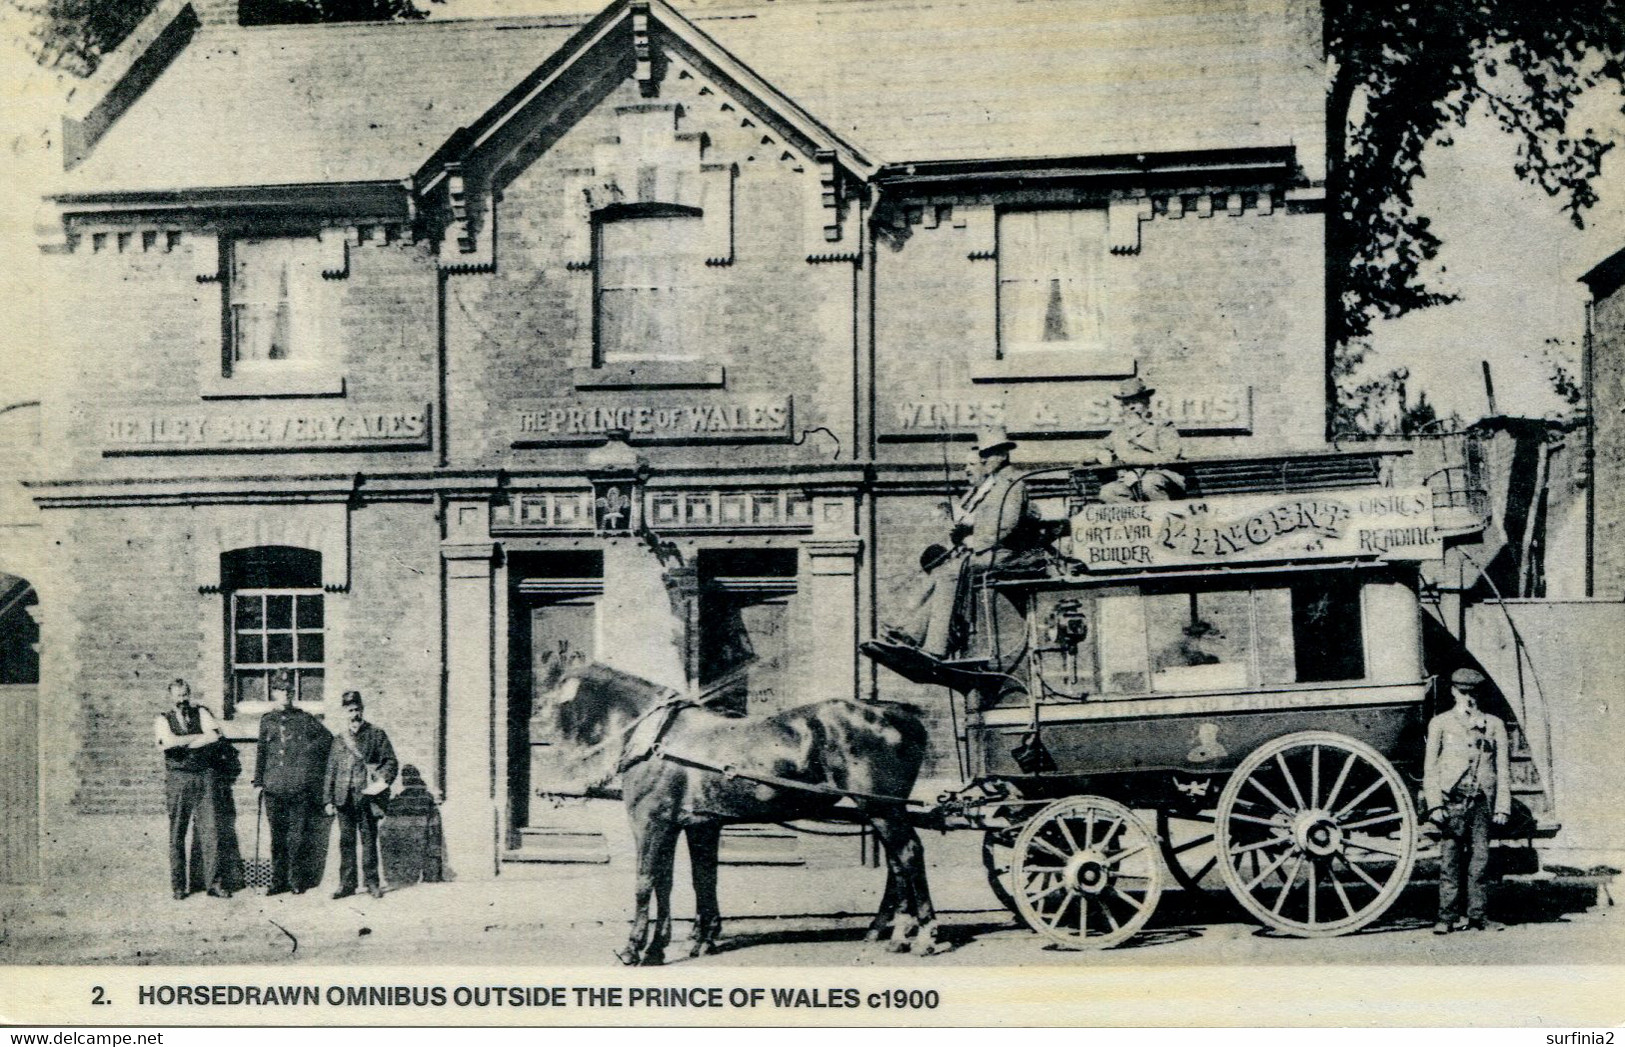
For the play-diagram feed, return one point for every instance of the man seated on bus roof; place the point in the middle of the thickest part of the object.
(1143, 443)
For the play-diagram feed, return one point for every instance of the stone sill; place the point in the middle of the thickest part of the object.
(300, 382)
(651, 374)
(1053, 365)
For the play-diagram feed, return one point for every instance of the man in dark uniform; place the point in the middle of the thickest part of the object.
(288, 768)
(186, 733)
(1466, 786)
(360, 769)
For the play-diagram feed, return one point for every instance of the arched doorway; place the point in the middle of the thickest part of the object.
(19, 731)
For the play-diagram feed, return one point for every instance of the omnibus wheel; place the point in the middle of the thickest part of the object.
(1086, 873)
(998, 857)
(1316, 834)
(1191, 849)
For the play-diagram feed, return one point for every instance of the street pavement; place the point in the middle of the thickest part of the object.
(808, 914)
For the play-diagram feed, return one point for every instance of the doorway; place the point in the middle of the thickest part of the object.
(19, 732)
(553, 623)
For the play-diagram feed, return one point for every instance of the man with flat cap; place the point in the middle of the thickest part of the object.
(361, 767)
(288, 767)
(1465, 785)
(1143, 444)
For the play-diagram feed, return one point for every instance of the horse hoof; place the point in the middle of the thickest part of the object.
(872, 934)
(935, 949)
(628, 957)
(897, 946)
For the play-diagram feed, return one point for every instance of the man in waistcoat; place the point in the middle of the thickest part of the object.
(1466, 787)
(360, 769)
(288, 769)
(185, 733)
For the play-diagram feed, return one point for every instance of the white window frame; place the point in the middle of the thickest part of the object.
(308, 368)
(1071, 251)
(673, 275)
(234, 667)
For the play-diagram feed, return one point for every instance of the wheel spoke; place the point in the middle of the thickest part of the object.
(1237, 816)
(1312, 893)
(1378, 850)
(1362, 874)
(1106, 911)
(1271, 867)
(1291, 782)
(1352, 804)
(1207, 867)
(1036, 898)
(1280, 899)
(1342, 895)
(1124, 855)
(1118, 894)
(1256, 784)
(1051, 848)
(1105, 839)
(1188, 844)
(1342, 776)
(1314, 775)
(1391, 816)
(1067, 832)
(1271, 842)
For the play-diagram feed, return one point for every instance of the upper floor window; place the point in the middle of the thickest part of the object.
(648, 259)
(273, 288)
(277, 619)
(1050, 280)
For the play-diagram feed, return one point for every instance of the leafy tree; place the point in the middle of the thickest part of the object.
(1404, 73)
(73, 35)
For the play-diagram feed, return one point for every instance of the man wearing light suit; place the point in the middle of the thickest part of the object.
(1465, 784)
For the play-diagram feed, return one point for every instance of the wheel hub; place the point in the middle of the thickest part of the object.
(1087, 873)
(1317, 833)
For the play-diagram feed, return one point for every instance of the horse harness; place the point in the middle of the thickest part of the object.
(674, 706)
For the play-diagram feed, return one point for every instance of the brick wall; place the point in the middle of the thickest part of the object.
(780, 325)
(1225, 300)
(1608, 378)
(126, 617)
(146, 334)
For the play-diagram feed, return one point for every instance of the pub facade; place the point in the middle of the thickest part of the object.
(423, 359)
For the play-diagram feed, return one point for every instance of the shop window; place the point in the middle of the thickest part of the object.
(276, 618)
(745, 641)
(649, 258)
(273, 286)
(1050, 276)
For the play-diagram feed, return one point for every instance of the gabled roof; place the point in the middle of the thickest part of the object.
(901, 80)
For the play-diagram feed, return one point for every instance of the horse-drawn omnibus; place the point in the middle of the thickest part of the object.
(1231, 689)
(1234, 682)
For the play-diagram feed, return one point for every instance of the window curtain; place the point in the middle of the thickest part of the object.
(271, 285)
(643, 267)
(1050, 279)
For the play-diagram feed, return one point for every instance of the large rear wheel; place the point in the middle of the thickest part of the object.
(1316, 834)
(1086, 874)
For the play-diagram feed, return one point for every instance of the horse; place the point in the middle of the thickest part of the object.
(670, 752)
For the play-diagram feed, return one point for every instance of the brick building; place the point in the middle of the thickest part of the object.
(1605, 393)
(381, 350)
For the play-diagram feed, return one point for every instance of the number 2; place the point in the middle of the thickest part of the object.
(98, 996)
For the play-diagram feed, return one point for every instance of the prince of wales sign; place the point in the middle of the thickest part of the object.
(1378, 524)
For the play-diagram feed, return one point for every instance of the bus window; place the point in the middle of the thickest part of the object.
(1120, 633)
(1327, 630)
(1199, 640)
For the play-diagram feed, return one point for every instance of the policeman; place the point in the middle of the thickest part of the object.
(288, 768)
(1465, 785)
